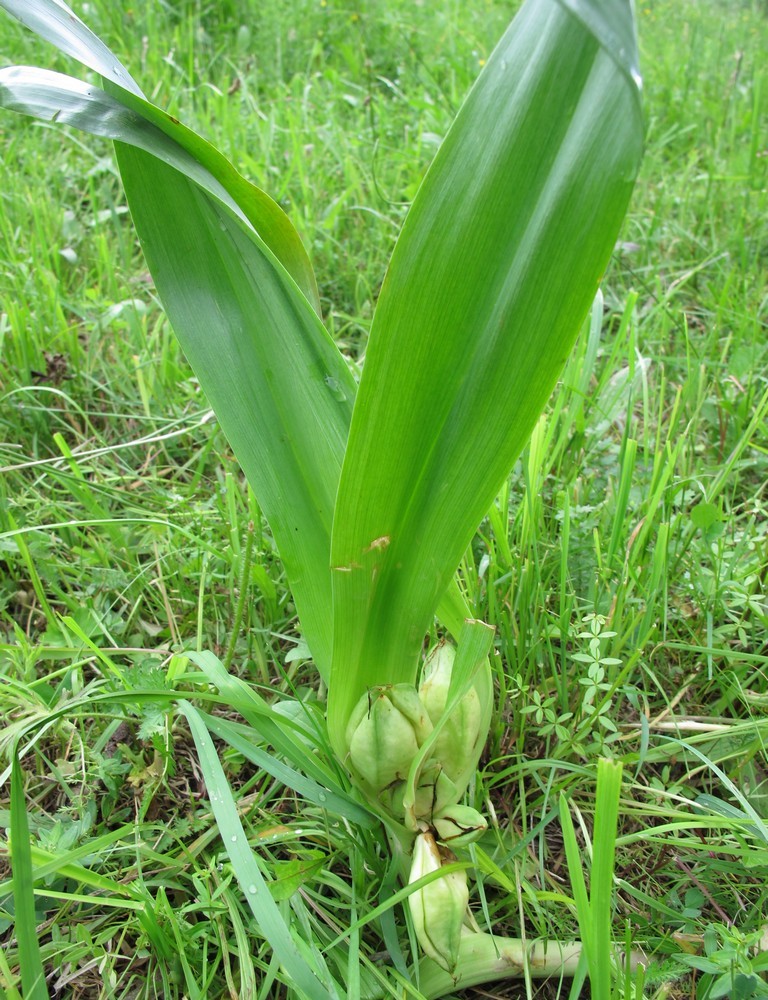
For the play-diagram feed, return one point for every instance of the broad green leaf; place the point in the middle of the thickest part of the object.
(493, 273)
(613, 25)
(292, 875)
(280, 389)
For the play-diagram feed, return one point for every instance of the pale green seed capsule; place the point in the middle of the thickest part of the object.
(437, 909)
(393, 797)
(458, 746)
(406, 700)
(384, 733)
(458, 825)
(441, 790)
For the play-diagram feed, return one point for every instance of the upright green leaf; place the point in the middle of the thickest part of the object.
(281, 390)
(607, 800)
(595, 911)
(497, 264)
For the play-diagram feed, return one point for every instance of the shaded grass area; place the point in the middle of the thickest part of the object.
(623, 567)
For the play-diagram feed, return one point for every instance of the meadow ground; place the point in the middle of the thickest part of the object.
(623, 567)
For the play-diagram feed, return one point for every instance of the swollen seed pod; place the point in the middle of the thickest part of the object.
(406, 700)
(384, 733)
(458, 746)
(393, 800)
(438, 908)
(458, 825)
(442, 791)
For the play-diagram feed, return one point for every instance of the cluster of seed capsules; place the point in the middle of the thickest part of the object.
(386, 731)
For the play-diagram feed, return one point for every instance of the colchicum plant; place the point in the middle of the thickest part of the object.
(373, 490)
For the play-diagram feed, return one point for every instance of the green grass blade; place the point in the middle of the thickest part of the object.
(192, 990)
(285, 735)
(247, 871)
(48, 862)
(492, 275)
(759, 827)
(32, 972)
(7, 978)
(578, 883)
(601, 882)
(595, 912)
(45, 868)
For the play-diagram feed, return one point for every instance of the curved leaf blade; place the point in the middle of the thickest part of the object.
(57, 23)
(127, 117)
(266, 344)
(280, 389)
(497, 264)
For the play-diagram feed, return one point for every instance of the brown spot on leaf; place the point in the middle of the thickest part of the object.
(379, 544)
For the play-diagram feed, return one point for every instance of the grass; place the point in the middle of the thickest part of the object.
(623, 567)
